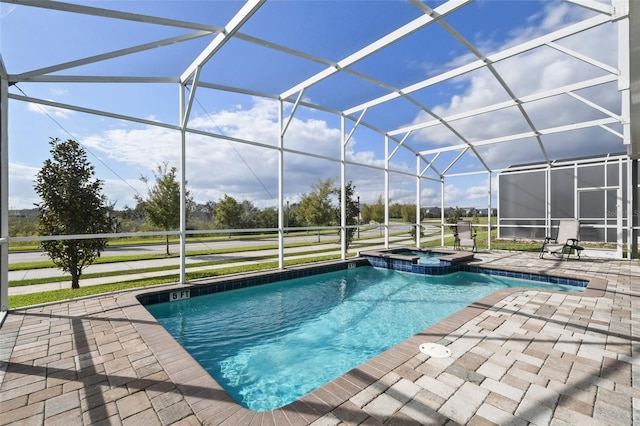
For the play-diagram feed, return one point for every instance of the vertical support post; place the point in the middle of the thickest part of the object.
(619, 212)
(183, 185)
(281, 185)
(628, 206)
(343, 189)
(386, 192)
(358, 216)
(442, 230)
(4, 196)
(547, 198)
(499, 232)
(418, 191)
(629, 87)
(633, 217)
(628, 62)
(489, 210)
(576, 194)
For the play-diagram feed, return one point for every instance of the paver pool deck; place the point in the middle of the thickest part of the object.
(518, 357)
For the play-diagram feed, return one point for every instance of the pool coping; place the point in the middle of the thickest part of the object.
(213, 404)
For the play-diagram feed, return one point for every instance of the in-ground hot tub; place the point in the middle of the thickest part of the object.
(419, 261)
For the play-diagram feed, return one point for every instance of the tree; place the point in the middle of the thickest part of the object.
(162, 205)
(454, 215)
(351, 210)
(72, 204)
(377, 211)
(228, 213)
(248, 214)
(395, 210)
(267, 218)
(201, 215)
(409, 214)
(316, 206)
(294, 218)
(23, 223)
(365, 213)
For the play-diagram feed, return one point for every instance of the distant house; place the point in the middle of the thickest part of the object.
(485, 212)
(431, 212)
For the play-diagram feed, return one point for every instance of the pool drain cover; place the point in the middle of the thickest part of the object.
(435, 350)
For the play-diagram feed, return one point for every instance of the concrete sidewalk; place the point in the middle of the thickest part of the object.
(290, 253)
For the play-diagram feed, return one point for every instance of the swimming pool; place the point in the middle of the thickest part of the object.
(270, 345)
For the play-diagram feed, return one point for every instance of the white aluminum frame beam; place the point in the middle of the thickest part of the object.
(114, 14)
(584, 58)
(4, 192)
(344, 140)
(381, 43)
(547, 131)
(190, 130)
(184, 117)
(185, 111)
(631, 64)
(386, 192)
(455, 160)
(495, 74)
(593, 5)
(493, 58)
(282, 129)
(93, 111)
(111, 55)
(511, 103)
(595, 106)
(243, 15)
(94, 79)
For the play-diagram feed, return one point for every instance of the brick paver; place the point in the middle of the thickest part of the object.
(517, 357)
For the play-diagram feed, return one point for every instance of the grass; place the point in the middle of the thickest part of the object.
(137, 241)
(160, 240)
(44, 280)
(262, 263)
(22, 300)
(24, 266)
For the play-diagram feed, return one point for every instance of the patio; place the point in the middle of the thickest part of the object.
(517, 357)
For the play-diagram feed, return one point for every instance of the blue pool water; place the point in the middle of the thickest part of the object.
(424, 257)
(270, 345)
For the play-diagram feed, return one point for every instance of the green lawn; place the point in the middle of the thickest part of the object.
(263, 263)
(18, 301)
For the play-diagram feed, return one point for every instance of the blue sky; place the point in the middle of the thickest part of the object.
(122, 151)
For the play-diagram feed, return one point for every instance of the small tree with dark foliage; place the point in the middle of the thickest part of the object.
(351, 210)
(316, 206)
(72, 204)
(162, 205)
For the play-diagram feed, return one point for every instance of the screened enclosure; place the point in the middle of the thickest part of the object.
(423, 102)
(533, 199)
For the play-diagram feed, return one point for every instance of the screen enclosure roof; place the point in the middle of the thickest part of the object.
(490, 83)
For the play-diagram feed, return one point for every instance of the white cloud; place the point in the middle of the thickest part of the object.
(50, 111)
(21, 181)
(538, 70)
(217, 166)
(23, 196)
(121, 192)
(58, 91)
